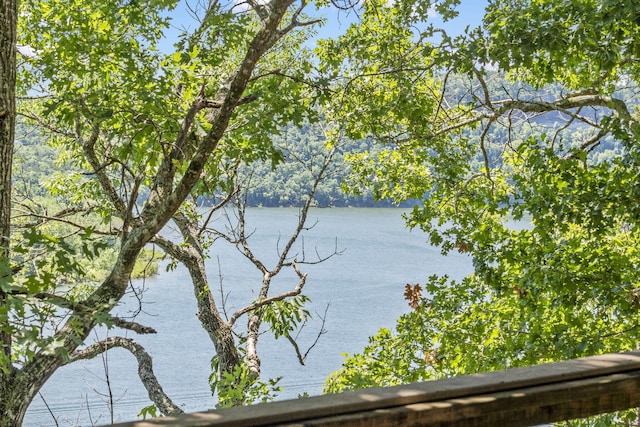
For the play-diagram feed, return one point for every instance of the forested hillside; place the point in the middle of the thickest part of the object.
(280, 181)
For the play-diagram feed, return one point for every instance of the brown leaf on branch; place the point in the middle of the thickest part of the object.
(462, 246)
(413, 294)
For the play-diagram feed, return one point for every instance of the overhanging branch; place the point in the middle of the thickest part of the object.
(145, 369)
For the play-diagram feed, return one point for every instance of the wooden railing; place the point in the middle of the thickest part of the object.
(516, 397)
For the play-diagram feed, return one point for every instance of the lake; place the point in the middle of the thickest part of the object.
(362, 288)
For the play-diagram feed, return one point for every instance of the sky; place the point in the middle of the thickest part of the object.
(470, 13)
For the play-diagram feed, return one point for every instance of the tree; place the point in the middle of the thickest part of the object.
(236, 376)
(499, 129)
(8, 25)
(143, 131)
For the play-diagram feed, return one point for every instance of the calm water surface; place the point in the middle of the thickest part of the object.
(362, 288)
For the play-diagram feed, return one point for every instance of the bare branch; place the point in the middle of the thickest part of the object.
(280, 73)
(145, 369)
(295, 22)
(294, 342)
(565, 104)
(305, 210)
(61, 219)
(132, 326)
(40, 121)
(233, 192)
(78, 306)
(346, 5)
(267, 301)
(588, 144)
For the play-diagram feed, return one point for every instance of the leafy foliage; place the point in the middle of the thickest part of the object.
(148, 411)
(512, 177)
(241, 387)
(139, 134)
(285, 316)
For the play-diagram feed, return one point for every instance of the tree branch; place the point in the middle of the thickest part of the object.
(145, 369)
(232, 193)
(295, 19)
(566, 104)
(132, 326)
(294, 342)
(191, 256)
(60, 219)
(266, 301)
(80, 307)
(88, 147)
(260, 10)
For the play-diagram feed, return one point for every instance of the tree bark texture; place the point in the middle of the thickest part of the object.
(11, 408)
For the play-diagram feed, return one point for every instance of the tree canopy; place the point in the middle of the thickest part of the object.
(141, 133)
(514, 178)
(497, 133)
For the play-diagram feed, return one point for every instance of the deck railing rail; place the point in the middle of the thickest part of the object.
(516, 397)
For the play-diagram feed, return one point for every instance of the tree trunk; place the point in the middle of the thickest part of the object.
(12, 410)
(8, 14)
(13, 407)
(219, 330)
(254, 321)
